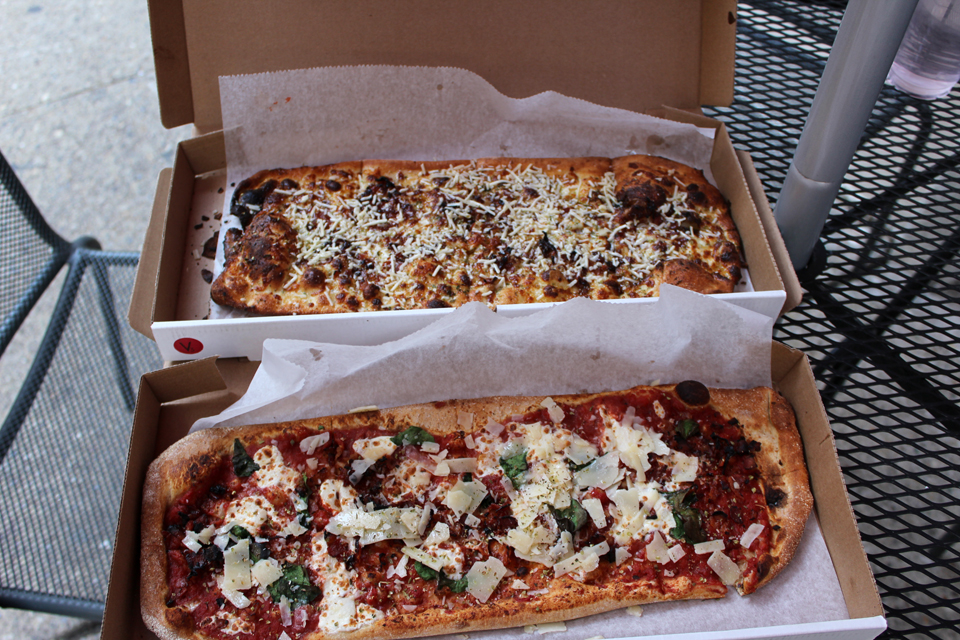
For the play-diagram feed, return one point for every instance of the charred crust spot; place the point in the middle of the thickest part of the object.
(370, 291)
(313, 277)
(332, 185)
(550, 291)
(231, 242)
(207, 275)
(693, 393)
(244, 198)
(289, 185)
(444, 289)
(764, 566)
(546, 247)
(464, 279)
(640, 201)
(775, 497)
(436, 303)
(353, 303)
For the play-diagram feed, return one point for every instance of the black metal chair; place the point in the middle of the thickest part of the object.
(64, 440)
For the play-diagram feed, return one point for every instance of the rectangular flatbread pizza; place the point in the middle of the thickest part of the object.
(469, 515)
(379, 234)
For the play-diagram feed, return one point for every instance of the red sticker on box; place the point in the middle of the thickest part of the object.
(188, 346)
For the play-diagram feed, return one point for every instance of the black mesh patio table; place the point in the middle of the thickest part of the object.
(881, 322)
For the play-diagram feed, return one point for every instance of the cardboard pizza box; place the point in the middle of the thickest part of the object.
(676, 57)
(170, 400)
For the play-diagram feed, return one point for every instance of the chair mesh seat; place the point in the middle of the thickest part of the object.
(881, 324)
(64, 442)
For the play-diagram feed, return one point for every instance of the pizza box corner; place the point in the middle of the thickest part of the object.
(677, 66)
(171, 399)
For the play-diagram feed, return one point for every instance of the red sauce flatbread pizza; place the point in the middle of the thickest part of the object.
(378, 234)
(471, 515)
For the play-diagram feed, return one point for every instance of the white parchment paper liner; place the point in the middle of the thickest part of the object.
(318, 116)
(579, 346)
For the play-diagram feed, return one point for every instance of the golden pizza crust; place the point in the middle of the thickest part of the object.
(765, 416)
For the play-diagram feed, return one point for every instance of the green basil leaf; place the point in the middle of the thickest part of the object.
(424, 571)
(412, 435)
(457, 586)
(572, 518)
(514, 466)
(243, 464)
(687, 429)
(295, 585)
(687, 518)
(239, 532)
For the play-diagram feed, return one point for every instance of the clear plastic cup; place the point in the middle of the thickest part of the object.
(927, 65)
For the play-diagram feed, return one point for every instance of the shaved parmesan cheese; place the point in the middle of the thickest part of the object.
(553, 410)
(394, 523)
(465, 497)
(751, 534)
(594, 507)
(193, 540)
(635, 610)
(676, 552)
(235, 598)
(265, 572)
(470, 442)
(442, 469)
(465, 420)
(311, 443)
(424, 558)
(236, 567)
(483, 578)
(580, 451)
(621, 555)
(440, 533)
(724, 567)
(708, 547)
(585, 560)
(430, 447)
(657, 549)
(519, 584)
(685, 467)
(602, 472)
(358, 468)
(495, 428)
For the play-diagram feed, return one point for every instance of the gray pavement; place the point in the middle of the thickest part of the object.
(80, 125)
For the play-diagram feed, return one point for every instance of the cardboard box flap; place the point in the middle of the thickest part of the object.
(678, 53)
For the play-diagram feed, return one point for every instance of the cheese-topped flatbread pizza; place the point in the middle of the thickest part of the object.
(381, 234)
(469, 515)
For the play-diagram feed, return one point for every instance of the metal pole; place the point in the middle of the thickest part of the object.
(866, 44)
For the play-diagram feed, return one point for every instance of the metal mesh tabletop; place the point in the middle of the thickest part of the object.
(881, 324)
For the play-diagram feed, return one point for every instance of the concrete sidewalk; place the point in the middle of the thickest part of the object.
(80, 125)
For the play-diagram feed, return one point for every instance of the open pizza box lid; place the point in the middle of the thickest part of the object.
(635, 56)
(674, 57)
